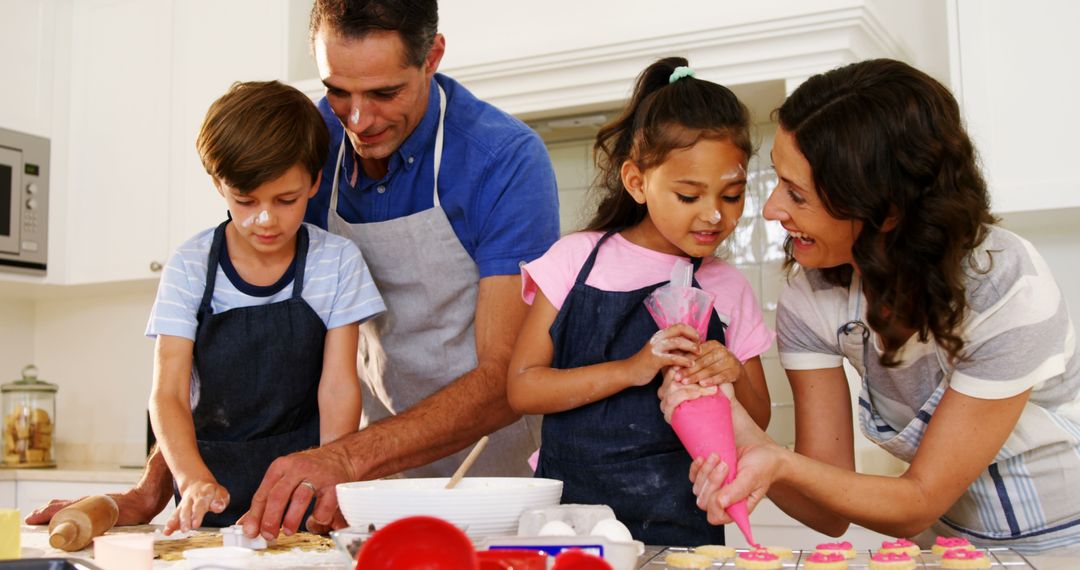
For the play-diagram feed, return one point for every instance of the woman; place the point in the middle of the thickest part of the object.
(958, 330)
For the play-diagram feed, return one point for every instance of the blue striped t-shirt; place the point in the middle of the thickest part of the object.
(337, 285)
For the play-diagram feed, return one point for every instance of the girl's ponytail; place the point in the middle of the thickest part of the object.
(668, 110)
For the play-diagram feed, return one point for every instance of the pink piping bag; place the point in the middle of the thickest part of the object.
(704, 424)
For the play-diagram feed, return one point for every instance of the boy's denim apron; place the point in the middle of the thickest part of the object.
(258, 372)
(620, 451)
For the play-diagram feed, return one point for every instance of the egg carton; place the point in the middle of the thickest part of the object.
(620, 555)
(1000, 559)
(590, 528)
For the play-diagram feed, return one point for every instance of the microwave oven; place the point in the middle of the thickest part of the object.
(24, 202)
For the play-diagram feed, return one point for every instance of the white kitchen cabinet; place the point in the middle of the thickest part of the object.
(121, 87)
(214, 45)
(7, 495)
(28, 35)
(117, 177)
(1016, 80)
(30, 495)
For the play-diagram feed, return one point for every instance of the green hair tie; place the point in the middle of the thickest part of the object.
(679, 73)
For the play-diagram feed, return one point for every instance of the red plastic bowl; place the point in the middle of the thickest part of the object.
(579, 560)
(417, 543)
(512, 559)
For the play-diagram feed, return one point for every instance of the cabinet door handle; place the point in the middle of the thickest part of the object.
(155, 266)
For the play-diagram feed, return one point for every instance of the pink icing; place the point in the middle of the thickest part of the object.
(899, 543)
(835, 546)
(951, 542)
(825, 557)
(704, 427)
(890, 557)
(759, 556)
(962, 554)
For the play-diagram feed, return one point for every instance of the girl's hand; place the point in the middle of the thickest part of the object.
(198, 497)
(715, 365)
(673, 346)
(672, 392)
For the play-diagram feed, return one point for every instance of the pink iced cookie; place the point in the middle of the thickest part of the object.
(943, 543)
(900, 545)
(891, 561)
(825, 561)
(758, 560)
(964, 558)
(844, 549)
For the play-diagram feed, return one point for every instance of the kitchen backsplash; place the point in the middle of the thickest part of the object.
(91, 344)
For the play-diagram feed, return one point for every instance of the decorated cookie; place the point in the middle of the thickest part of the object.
(900, 545)
(825, 561)
(758, 560)
(843, 548)
(782, 552)
(943, 543)
(891, 561)
(964, 558)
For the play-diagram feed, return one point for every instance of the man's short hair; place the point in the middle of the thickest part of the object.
(257, 131)
(416, 21)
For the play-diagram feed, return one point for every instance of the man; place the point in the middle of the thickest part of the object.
(446, 196)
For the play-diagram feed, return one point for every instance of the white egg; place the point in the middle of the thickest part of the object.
(556, 528)
(612, 530)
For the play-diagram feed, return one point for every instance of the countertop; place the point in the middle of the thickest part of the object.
(35, 544)
(74, 473)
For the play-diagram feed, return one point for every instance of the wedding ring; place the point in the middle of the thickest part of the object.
(309, 485)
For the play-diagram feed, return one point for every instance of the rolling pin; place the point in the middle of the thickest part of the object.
(73, 527)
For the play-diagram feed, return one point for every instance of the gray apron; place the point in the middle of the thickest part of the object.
(978, 513)
(425, 339)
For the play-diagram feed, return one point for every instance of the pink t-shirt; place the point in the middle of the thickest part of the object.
(623, 266)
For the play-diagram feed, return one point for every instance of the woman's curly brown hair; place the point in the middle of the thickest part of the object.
(887, 146)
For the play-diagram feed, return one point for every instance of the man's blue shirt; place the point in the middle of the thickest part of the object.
(496, 182)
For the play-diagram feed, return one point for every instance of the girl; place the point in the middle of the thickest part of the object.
(967, 354)
(589, 354)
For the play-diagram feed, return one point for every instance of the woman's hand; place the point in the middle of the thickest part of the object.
(198, 497)
(715, 365)
(673, 346)
(672, 392)
(758, 467)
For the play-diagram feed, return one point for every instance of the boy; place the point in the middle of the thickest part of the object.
(257, 320)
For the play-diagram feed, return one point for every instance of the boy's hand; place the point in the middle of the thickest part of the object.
(715, 365)
(673, 346)
(198, 497)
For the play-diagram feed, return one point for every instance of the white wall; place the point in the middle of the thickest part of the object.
(16, 338)
(92, 346)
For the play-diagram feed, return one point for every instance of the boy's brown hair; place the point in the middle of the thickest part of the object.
(257, 131)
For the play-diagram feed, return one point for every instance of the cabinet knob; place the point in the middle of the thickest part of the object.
(155, 266)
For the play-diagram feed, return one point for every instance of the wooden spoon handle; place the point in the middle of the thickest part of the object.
(469, 460)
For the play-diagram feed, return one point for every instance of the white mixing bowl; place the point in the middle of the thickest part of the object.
(481, 506)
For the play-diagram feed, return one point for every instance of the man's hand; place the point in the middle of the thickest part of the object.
(291, 483)
(136, 507)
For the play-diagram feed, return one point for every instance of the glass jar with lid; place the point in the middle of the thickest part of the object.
(29, 407)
